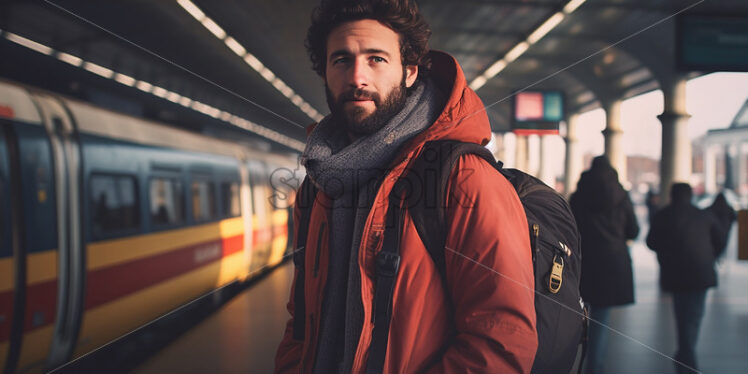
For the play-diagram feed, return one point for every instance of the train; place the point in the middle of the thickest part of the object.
(108, 221)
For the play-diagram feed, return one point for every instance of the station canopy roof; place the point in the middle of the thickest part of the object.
(247, 57)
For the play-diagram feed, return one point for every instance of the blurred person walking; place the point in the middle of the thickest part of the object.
(605, 217)
(687, 240)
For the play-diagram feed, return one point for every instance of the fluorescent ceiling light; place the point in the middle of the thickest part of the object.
(98, 69)
(214, 28)
(494, 69)
(159, 91)
(70, 59)
(279, 84)
(173, 97)
(267, 74)
(235, 46)
(572, 5)
(144, 86)
(192, 9)
(478, 83)
(41, 48)
(124, 79)
(253, 62)
(517, 51)
(297, 100)
(547, 26)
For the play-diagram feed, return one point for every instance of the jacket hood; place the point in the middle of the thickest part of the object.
(464, 116)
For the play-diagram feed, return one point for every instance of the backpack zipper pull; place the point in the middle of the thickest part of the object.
(556, 278)
(565, 248)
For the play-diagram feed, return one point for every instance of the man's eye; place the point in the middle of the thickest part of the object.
(378, 59)
(339, 60)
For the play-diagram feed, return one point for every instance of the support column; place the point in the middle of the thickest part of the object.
(675, 163)
(509, 153)
(613, 134)
(520, 158)
(573, 165)
(544, 170)
(740, 172)
(710, 169)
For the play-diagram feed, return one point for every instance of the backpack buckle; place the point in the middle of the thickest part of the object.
(387, 264)
(556, 278)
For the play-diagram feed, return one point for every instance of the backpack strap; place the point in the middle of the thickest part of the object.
(421, 190)
(429, 176)
(304, 200)
(387, 267)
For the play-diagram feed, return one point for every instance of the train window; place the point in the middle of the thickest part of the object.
(167, 201)
(203, 201)
(114, 204)
(230, 196)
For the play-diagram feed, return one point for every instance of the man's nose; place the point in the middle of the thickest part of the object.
(359, 74)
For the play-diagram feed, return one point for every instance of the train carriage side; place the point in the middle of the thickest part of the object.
(29, 243)
(113, 221)
(166, 225)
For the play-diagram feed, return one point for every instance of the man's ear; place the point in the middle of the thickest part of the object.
(411, 73)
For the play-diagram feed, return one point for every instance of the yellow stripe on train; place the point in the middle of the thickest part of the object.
(111, 320)
(111, 252)
(40, 267)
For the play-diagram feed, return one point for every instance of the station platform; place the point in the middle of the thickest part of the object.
(243, 335)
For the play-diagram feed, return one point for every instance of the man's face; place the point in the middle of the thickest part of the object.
(365, 77)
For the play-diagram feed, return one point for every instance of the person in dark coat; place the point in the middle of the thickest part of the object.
(605, 217)
(724, 213)
(687, 241)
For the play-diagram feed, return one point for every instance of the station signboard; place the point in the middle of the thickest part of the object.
(537, 112)
(712, 42)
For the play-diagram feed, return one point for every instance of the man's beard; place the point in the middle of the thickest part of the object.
(354, 121)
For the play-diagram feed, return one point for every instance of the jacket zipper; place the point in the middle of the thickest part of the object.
(318, 249)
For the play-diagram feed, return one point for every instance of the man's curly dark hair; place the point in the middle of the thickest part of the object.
(401, 16)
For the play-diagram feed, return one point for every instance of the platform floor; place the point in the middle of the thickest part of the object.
(243, 335)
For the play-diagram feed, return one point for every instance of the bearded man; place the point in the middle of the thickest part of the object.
(389, 95)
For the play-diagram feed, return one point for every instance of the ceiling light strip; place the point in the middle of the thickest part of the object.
(522, 46)
(159, 91)
(250, 59)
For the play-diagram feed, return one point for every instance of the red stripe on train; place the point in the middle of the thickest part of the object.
(111, 283)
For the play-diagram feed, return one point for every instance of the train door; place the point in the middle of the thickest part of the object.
(12, 256)
(71, 258)
(261, 216)
(279, 200)
(245, 194)
(28, 279)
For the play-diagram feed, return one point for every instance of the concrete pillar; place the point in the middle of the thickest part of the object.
(496, 146)
(613, 134)
(545, 173)
(533, 155)
(740, 172)
(509, 141)
(710, 168)
(573, 165)
(520, 159)
(675, 163)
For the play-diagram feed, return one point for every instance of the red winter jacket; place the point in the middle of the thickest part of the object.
(488, 261)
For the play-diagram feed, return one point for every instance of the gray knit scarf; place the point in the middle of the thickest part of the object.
(349, 173)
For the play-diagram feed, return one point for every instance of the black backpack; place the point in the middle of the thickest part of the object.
(561, 316)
